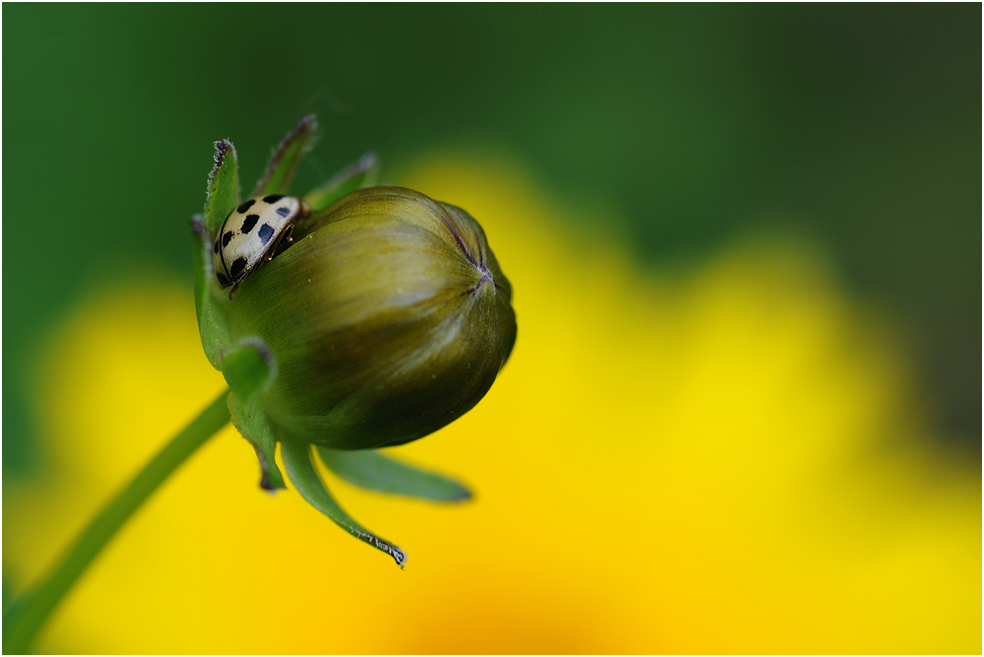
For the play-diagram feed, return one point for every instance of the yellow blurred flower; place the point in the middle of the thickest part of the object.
(728, 461)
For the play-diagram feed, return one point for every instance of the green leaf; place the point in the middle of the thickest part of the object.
(248, 367)
(256, 428)
(223, 186)
(211, 322)
(363, 173)
(300, 468)
(285, 160)
(371, 470)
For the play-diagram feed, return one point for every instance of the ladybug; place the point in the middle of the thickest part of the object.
(251, 234)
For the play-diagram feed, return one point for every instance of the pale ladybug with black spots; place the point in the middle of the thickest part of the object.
(251, 234)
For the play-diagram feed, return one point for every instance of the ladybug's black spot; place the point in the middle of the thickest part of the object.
(265, 233)
(238, 265)
(226, 238)
(249, 222)
(223, 281)
(245, 206)
(283, 212)
(272, 198)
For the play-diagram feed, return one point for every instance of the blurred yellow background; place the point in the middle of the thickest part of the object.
(731, 459)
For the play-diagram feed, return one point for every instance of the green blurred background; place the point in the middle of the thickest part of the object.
(858, 126)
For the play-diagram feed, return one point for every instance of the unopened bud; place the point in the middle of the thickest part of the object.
(388, 317)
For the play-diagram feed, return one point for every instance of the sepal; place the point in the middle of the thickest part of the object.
(252, 423)
(286, 158)
(211, 319)
(372, 470)
(223, 186)
(248, 368)
(298, 460)
(364, 173)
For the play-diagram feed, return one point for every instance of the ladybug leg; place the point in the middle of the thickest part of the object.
(233, 290)
(303, 218)
(286, 239)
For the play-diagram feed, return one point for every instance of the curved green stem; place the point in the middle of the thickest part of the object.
(28, 613)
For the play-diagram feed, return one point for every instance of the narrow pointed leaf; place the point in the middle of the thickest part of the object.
(301, 471)
(223, 186)
(371, 470)
(254, 426)
(285, 160)
(211, 324)
(248, 367)
(364, 173)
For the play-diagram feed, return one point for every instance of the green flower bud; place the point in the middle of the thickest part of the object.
(387, 318)
(345, 319)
